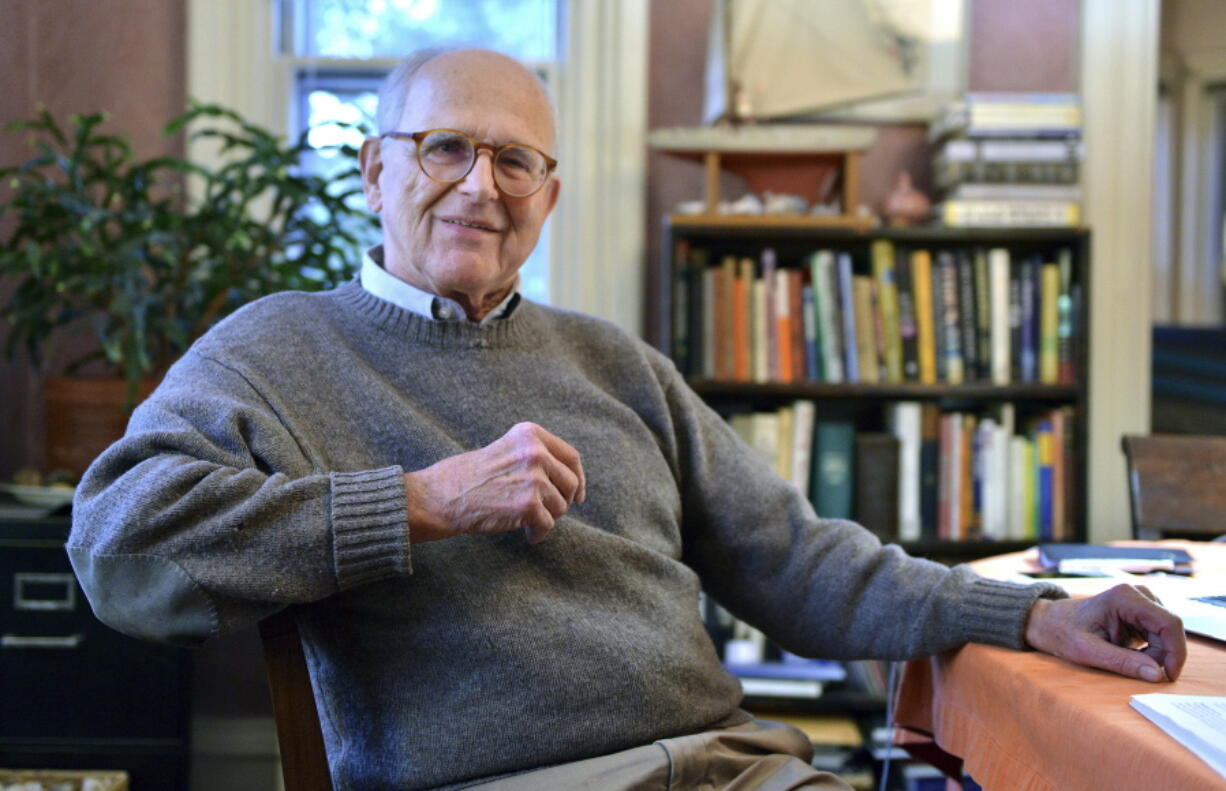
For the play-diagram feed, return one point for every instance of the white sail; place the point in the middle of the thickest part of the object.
(773, 59)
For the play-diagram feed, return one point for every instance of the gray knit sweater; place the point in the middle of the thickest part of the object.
(266, 470)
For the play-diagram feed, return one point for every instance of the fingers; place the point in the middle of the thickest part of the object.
(568, 465)
(1096, 652)
(1135, 611)
(1139, 608)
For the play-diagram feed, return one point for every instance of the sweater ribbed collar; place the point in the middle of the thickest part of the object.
(514, 330)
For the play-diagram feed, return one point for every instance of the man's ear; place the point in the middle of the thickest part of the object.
(370, 158)
(554, 187)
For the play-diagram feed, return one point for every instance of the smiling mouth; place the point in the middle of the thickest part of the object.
(468, 224)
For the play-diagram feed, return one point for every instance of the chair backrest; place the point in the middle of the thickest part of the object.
(1177, 485)
(304, 763)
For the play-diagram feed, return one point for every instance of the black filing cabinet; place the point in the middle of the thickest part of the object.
(75, 694)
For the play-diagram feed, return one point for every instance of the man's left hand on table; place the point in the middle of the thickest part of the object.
(1124, 630)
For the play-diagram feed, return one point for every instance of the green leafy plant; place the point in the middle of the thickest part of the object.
(126, 249)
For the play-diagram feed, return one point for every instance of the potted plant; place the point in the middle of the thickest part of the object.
(144, 256)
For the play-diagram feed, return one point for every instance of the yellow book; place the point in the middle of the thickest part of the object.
(1031, 491)
(1049, 324)
(921, 280)
(887, 298)
(866, 331)
(783, 447)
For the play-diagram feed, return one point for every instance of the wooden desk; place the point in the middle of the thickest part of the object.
(1025, 721)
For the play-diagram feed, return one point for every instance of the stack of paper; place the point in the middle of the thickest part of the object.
(1198, 722)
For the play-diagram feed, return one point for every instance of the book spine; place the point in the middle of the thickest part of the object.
(905, 423)
(998, 276)
(876, 484)
(784, 457)
(761, 335)
(908, 331)
(804, 414)
(1030, 321)
(709, 353)
(783, 327)
(1015, 213)
(866, 344)
(796, 309)
(832, 473)
(741, 308)
(772, 327)
(812, 357)
(725, 315)
(1043, 446)
(828, 318)
(1049, 320)
(967, 319)
(887, 296)
(930, 474)
(968, 523)
(951, 319)
(1064, 311)
(921, 276)
(1059, 467)
(847, 310)
(983, 318)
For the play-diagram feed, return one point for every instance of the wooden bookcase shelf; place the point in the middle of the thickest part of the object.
(793, 240)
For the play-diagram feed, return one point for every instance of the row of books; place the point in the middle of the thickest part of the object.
(933, 475)
(906, 315)
(1007, 147)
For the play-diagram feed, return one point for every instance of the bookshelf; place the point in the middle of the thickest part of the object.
(1024, 397)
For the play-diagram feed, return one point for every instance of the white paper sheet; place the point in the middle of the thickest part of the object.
(1198, 722)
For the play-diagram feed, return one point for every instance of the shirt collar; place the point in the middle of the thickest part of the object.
(386, 286)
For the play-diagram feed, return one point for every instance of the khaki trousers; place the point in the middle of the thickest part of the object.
(757, 756)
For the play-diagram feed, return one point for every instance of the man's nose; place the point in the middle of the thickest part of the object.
(480, 179)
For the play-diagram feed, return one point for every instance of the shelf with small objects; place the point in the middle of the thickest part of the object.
(927, 382)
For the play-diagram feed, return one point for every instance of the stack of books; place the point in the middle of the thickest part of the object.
(933, 474)
(1009, 159)
(898, 314)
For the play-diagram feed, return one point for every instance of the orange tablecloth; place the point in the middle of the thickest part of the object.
(1025, 721)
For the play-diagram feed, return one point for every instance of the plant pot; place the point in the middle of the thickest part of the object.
(84, 416)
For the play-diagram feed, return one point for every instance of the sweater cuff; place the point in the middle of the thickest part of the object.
(995, 612)
(370, 533)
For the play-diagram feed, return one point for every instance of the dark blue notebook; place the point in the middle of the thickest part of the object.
(1050, 555)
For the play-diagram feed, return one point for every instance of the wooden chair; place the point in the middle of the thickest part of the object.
(304, 763)
(1177, 485)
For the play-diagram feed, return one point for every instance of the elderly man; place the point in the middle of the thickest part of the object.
(498, 515)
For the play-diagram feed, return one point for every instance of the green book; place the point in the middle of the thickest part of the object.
(832, 468)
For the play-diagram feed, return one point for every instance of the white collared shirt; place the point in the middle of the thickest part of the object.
(386, 286)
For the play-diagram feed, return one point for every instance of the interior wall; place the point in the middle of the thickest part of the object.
(1030, 46)
(124, 57)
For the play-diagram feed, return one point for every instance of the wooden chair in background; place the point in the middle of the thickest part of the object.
(304, 763)
(1177, 485)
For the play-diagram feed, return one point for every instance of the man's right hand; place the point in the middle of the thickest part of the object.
(527, 478)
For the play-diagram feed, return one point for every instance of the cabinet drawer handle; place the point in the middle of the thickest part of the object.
(34, 641)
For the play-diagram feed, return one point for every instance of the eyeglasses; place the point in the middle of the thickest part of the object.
(447, 156)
